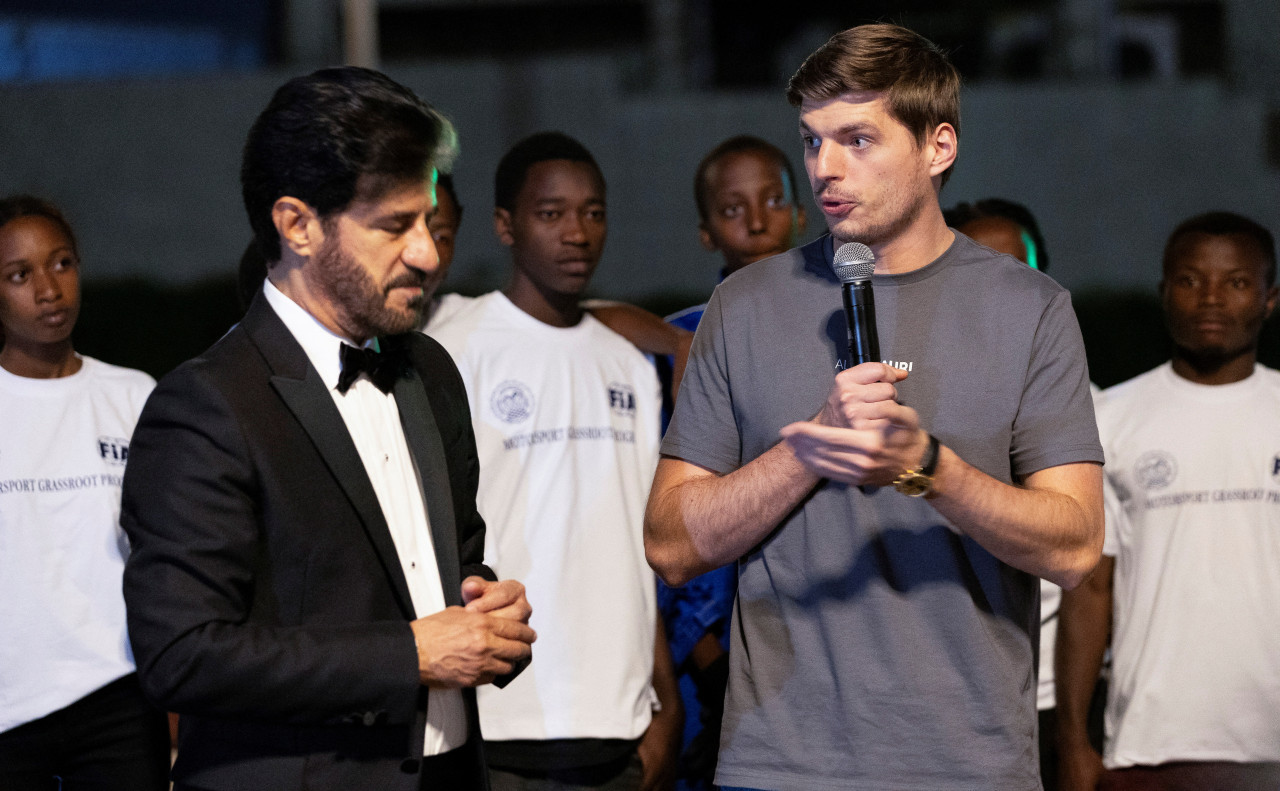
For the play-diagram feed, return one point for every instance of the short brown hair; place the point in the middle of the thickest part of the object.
(921, 87)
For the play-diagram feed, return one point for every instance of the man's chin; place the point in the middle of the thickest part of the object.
(395, 321)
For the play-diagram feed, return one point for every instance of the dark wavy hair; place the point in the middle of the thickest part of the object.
(335, 135)
(513, 169)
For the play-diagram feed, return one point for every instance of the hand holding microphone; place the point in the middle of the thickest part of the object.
(862, 436)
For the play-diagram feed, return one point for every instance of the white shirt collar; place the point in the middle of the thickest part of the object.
(320, 344)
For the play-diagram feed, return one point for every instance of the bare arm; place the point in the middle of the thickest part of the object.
(697, 520)
(1084, 625)
(646, 331)
(660, 747)
(1050, 525)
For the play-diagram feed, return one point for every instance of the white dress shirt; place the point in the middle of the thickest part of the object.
(373, 421)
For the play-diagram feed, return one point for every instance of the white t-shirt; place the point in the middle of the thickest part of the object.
(566, 423)
(62, 456)
(442, 309)
(1196, 644)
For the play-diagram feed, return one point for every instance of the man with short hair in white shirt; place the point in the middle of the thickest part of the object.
(566, 414)
(1191, 554)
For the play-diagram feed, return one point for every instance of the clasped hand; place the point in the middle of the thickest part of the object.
(862, 436)
(471, 645)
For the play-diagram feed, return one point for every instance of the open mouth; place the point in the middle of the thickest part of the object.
(836, 206)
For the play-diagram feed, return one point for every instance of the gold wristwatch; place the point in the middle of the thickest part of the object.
(919, 482)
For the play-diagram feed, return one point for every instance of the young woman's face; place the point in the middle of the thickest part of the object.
(39, 282)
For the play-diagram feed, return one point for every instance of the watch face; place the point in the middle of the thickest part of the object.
(913, 484)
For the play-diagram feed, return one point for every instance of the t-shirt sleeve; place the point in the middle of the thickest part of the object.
(1055, 423)
(703, 430)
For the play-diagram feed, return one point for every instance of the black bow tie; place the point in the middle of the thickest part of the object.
(383, 368)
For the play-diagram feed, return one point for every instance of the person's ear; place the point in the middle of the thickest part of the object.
(942, 147)
(298, 225)
(502, 226)
(704, 236)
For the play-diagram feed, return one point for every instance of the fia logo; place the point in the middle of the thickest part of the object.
(622, 399)
(114, 451)
(512, 401)
(1155, 469)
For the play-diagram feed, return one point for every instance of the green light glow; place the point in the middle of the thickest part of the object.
(1030, 244)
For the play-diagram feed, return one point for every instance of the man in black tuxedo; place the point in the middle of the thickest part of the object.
(306, 587)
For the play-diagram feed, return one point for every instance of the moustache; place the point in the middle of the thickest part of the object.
(821, 195)
(408, 280)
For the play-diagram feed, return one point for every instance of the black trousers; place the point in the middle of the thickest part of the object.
(458, 770)
(109, 740)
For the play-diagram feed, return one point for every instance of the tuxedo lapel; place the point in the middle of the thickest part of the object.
(305, 395)
(423, 436)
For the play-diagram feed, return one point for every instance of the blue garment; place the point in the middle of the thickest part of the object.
(704, 605)
(688, 318)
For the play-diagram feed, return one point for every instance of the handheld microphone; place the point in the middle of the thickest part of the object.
(853, 264)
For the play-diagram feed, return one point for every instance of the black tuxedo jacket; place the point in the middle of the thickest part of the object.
(266, 601)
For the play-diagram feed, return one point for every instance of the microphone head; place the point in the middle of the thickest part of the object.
(853, 262)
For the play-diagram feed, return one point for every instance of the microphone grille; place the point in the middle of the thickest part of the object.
(853, 262)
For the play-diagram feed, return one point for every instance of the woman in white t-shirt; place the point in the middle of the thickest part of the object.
(71, 709)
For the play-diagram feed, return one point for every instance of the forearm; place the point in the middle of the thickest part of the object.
(697, 522)
(1050, 527)
(646, 331)
(1084, 627)
(670, 714)
(659, 748)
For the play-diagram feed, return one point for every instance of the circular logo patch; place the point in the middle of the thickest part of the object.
(512, 401)
(1155, 469)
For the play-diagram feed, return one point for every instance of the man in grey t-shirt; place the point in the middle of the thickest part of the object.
(882, 641)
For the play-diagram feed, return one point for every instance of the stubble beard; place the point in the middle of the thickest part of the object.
(887, 229)
(360, 303)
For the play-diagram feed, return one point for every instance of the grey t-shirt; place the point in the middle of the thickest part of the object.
(873, 646)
